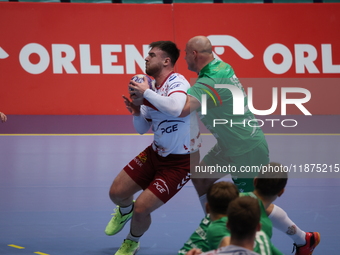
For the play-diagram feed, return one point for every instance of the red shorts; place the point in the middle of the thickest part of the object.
(163, 176)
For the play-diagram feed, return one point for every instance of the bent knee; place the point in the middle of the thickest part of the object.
(117, 193)
(114, 193)
(141, 209)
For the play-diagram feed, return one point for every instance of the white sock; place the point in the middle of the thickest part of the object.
(203, 200)
(132, 237)
(282, 222)
(126, 210)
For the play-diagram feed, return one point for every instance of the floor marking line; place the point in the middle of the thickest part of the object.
(16, 246)
(41, 253)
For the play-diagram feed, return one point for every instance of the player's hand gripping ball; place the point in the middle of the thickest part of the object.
(139, 78)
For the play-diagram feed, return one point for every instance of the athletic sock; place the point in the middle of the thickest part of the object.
(203, 200)
(282, 222)
(133, 238)
(126, 210)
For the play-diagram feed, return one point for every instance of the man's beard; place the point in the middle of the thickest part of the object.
(152, 71)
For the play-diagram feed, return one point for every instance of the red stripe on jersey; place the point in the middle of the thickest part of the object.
(180, 91)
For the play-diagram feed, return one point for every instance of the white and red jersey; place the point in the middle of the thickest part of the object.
(172, 135)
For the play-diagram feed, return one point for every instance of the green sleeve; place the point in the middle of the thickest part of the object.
(216, 231)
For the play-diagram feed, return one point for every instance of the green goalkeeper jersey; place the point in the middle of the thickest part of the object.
(239, 133)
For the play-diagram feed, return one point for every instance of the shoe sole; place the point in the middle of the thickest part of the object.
(120, 229)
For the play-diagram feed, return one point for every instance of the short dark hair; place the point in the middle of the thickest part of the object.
(169, 47)
(243, 217)
(271, 181)
(220, 194)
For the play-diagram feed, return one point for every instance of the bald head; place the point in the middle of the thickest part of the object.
(198, 53)
(201, 44)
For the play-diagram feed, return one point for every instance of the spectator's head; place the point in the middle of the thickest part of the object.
(243, 217)
(219, 195)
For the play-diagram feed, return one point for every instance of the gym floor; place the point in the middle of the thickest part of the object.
(55, 173)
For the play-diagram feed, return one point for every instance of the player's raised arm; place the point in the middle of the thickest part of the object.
(171, 105)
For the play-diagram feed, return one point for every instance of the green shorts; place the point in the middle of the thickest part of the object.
(243, 168)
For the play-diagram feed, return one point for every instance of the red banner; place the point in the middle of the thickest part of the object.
(58, 58)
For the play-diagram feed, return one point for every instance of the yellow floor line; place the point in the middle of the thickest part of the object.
(16, 246)
(20, 247)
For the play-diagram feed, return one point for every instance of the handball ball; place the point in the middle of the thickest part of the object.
(139, 78)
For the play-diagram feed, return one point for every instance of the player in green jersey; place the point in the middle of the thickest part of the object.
(239, 143)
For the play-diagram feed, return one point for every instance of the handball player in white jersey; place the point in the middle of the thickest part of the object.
(163, 168)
